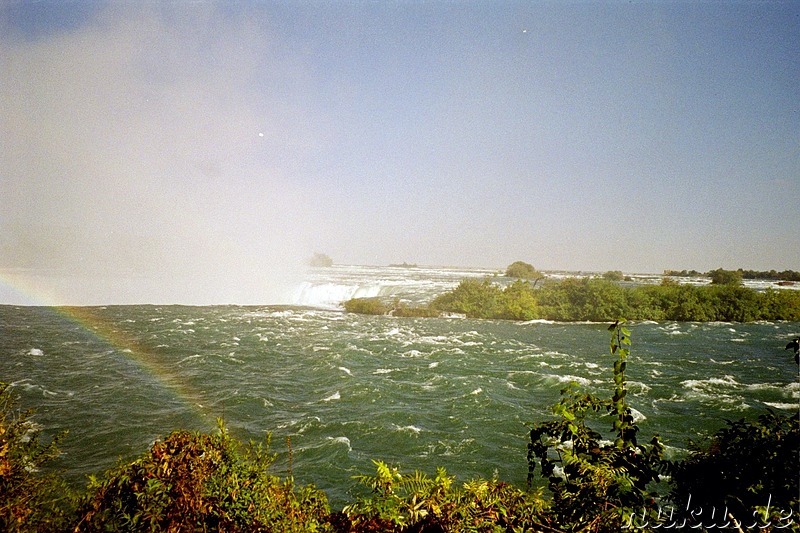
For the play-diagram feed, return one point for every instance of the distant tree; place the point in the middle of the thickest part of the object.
(320, 260)
(725, 277)
(614, 275)
(523, 270)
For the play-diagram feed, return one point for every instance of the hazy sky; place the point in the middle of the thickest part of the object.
(201, 151)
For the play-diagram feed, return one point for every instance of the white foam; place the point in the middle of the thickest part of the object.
(341, 440)
(701, 384)
(568, 379)
(637, 415)
(332, 397)
(384, 371)
(433, 364)
(410, 429)
(785, 406)
(35, 351)
(476, 391)
(637, 388)
(345, 370)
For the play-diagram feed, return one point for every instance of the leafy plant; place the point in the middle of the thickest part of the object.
(523, 270)
(200, 482)
(30, 499)
(417, 502)
(746, 466)
(366, 306)
(597, 485)
(721, 276)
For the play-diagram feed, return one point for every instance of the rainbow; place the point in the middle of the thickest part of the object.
(92, 321)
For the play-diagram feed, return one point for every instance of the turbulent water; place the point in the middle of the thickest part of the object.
(345, 389)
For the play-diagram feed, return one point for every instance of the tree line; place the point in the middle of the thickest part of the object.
(598, 300)
(785, 275)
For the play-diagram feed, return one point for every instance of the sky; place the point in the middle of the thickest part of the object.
(202, 152)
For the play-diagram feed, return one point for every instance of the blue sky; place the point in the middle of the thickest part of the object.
(153, 151)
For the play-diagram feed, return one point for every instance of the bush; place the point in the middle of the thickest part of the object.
(417, 502)
(367, 306)
(523, 270)
(30, 500)
(725, 277)
(614, 275)
(200, 482)
(601, 485)
(519, 302)
(746, 466)
(472, 297)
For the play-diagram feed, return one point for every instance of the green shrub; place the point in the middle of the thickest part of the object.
(523, 270)
(519, 302)
(574, 299)
(367, 306)
(417, 502)
(725, 277)
(30, 499)
(200, 482)
(472, 297)
(747, 466)
(601, 485)
(614, 275)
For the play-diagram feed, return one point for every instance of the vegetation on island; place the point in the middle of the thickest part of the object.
(523, 270)
(773, 275)
(599, 300)
(746, 477)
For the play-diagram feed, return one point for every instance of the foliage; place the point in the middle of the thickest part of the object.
(473, 297)
(518, 302)
(377, 306)
(599, 300)
(614, 275)
(366, 306)
(29, 499)
(523, 270)
(725, 277)
(788, 275)
(404, 310)
(746, 466)
(417, 502)
(200, 482)
(684, 273)
(599, 485)
(583, 299)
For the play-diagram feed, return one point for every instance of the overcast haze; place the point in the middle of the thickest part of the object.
(201, 152)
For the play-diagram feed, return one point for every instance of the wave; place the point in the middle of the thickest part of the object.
(341, 440)
(408, 429)
(705, 384)
(332, 397)
(782, 405)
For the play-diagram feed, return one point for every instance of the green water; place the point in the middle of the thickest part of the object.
(346, 389)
